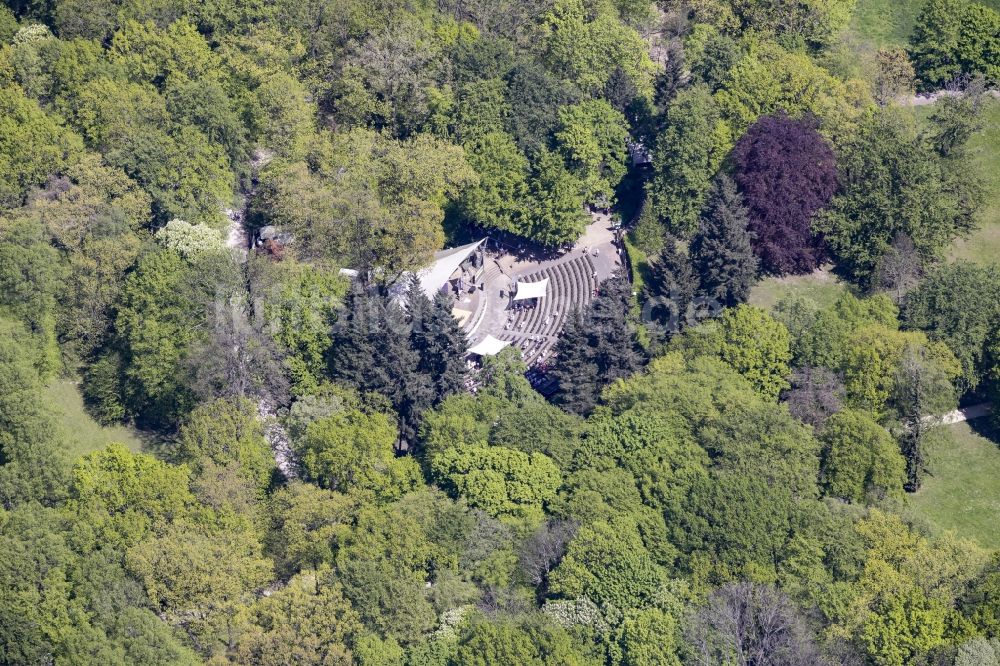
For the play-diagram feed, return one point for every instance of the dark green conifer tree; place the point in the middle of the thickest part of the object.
(355, 339)
(575, 368)
(613, 339)
(721, 253)
(670, 289)
(596, 347)
(441, 344)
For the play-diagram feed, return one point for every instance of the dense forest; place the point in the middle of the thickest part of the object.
(307, 478)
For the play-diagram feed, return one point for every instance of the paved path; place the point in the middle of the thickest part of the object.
(923, 99)
(965, 414)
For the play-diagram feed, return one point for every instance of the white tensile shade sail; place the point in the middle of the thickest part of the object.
(526, 290)
(445, 263)
(489, 346)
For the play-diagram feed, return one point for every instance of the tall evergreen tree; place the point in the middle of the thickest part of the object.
(354, 340)
(721, 253)
(410, 391)
(671, 288)
(616, 347)
(575, 368)
(597, 346)
(441, 344)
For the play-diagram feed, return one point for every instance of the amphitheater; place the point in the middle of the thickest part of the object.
(493, 320)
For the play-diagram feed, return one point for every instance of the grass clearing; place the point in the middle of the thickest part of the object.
(821, 286)
(961, 493)
(983, 245)
(82, 433)
(887, 23)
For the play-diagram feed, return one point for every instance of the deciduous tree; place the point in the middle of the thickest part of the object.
(786, 172)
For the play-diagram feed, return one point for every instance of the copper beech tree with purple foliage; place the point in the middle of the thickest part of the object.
(786, 172)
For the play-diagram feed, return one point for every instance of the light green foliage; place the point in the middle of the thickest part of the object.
(157, 324)
(935, 39)
(228, 432)
(608, 563)
(756, 346)
(302, 623)
(63, 603)
(33, 464)
(482, 109)
(93, 213)
(151, 55)
(190, 240)
(32, 145)
(904, 627)
(860, 458)
(302, 311)
(873, 354)
(769, 78)
(307, 522)
(384, 564)
(815, 21)
(8, 24)
(586, 51)
(500, 199)
(820, 335)
(505, 412)
(499, 480)
(186, 175)
(650, 636)
(285, 115)
(353, 450)
(200, 581)
(532, 642)
(557, 198)
(764, 441)
(378, 201)
(658, 451)
(873, 365)
(125, 496)
(978, 45)
(688, 153)
(30, 275)
(907, 588)
(592, 135)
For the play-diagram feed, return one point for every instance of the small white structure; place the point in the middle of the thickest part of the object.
(527, 290)
(489, 346)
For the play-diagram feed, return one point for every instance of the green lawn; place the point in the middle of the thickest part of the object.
(821, 286)
(962, 493)
(890, 22)
(885, 22)
(984, 244)
(82, 433)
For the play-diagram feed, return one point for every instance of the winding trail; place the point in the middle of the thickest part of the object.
(238, 240)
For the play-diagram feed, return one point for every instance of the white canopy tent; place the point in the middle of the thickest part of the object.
(526, 290)
(489, 346)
